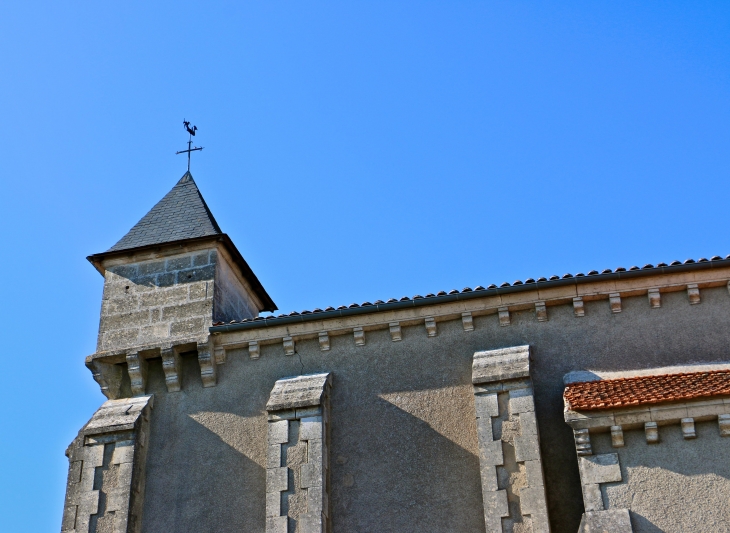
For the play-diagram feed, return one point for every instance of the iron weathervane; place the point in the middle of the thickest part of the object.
(191, 131)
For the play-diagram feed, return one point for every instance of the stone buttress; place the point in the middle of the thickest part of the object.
(513, 487)
(105, 488)
(297, 458)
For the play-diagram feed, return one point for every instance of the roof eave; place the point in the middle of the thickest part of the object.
(418, 302)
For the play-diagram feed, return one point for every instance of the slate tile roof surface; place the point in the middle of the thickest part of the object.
(646, 390)
(181, 214)
(505, 285)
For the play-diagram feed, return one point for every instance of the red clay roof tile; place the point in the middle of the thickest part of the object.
(629, 392)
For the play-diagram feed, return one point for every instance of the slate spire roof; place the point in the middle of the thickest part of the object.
(181, 214)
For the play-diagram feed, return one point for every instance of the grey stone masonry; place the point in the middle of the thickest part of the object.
(297, 459)
(161, 304)
(105, 488)
(513, 488)
(613, 521)
(175, 297)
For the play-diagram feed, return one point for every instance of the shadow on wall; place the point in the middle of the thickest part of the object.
(411, 475)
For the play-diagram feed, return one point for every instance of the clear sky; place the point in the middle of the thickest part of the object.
(354, 151)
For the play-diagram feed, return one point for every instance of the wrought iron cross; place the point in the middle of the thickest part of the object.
(191, 131)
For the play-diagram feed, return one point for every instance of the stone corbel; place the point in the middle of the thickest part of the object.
(431, 326)
(395, 331)
(171, 365)
(108, 376)
(137, 368)
(208, 368)
(578, 307)
(467, 321)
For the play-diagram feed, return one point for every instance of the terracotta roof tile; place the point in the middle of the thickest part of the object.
(629, 392)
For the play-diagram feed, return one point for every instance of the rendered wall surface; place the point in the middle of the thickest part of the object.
(404, 444)
(673, 486)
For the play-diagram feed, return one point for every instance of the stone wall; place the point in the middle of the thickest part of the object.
(232, 300)
(404, 448)
(675, 485)
(159, 300)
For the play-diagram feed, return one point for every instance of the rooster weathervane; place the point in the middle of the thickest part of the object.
(191, 130)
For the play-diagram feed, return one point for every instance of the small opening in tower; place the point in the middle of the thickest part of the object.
(190, 276)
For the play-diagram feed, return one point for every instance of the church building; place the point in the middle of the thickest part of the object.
(593, 402)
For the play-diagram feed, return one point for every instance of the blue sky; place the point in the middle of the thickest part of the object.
(354, 151)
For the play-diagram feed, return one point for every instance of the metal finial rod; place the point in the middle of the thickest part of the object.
(191, 131)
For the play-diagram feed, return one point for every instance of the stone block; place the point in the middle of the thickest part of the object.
(310, 475)
(208, 367)
(178, 263)
(707, 408)
(359, 336)
(254, 351)
(617, 437)
(278, 432)
(614, 300)
(273, 504)
(503, 314)
(490, 453)
(671, 413)
(527, 448)
(137, 369)
(200, 290)
(306, 412)
(484, 429)
(93, 456)
(528, 423)
(655, 298)
(273, 456)
(200, 259)
(723, 423)
(500, 365)
(316, 452)
(631, 416)
(123, 453)
(651, 432)
(693, 293)
(578, 307)
(324, 341)
(310, 428)
(688, 428)
(164, 297)
(289, 347)
(609, 521)
(602, 468)
(488, 474)
(541, 312)
(277, 479)
(171, 366)
(592, 498)
(196, 274)
(495, 508)
(521, 401)
(395, 331)
(287, 414)
(430, 323)
(582, 442)
(297, 392)
(533, 472)
(532, 501)
(310, 523)
(203, 308)
(189, 327)
(486, 406)
(467, 322)
(117, 499)
(277, 524)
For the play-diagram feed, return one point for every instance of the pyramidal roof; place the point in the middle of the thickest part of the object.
(181, 214)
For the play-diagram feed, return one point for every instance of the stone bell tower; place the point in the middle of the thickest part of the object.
(165, 282)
